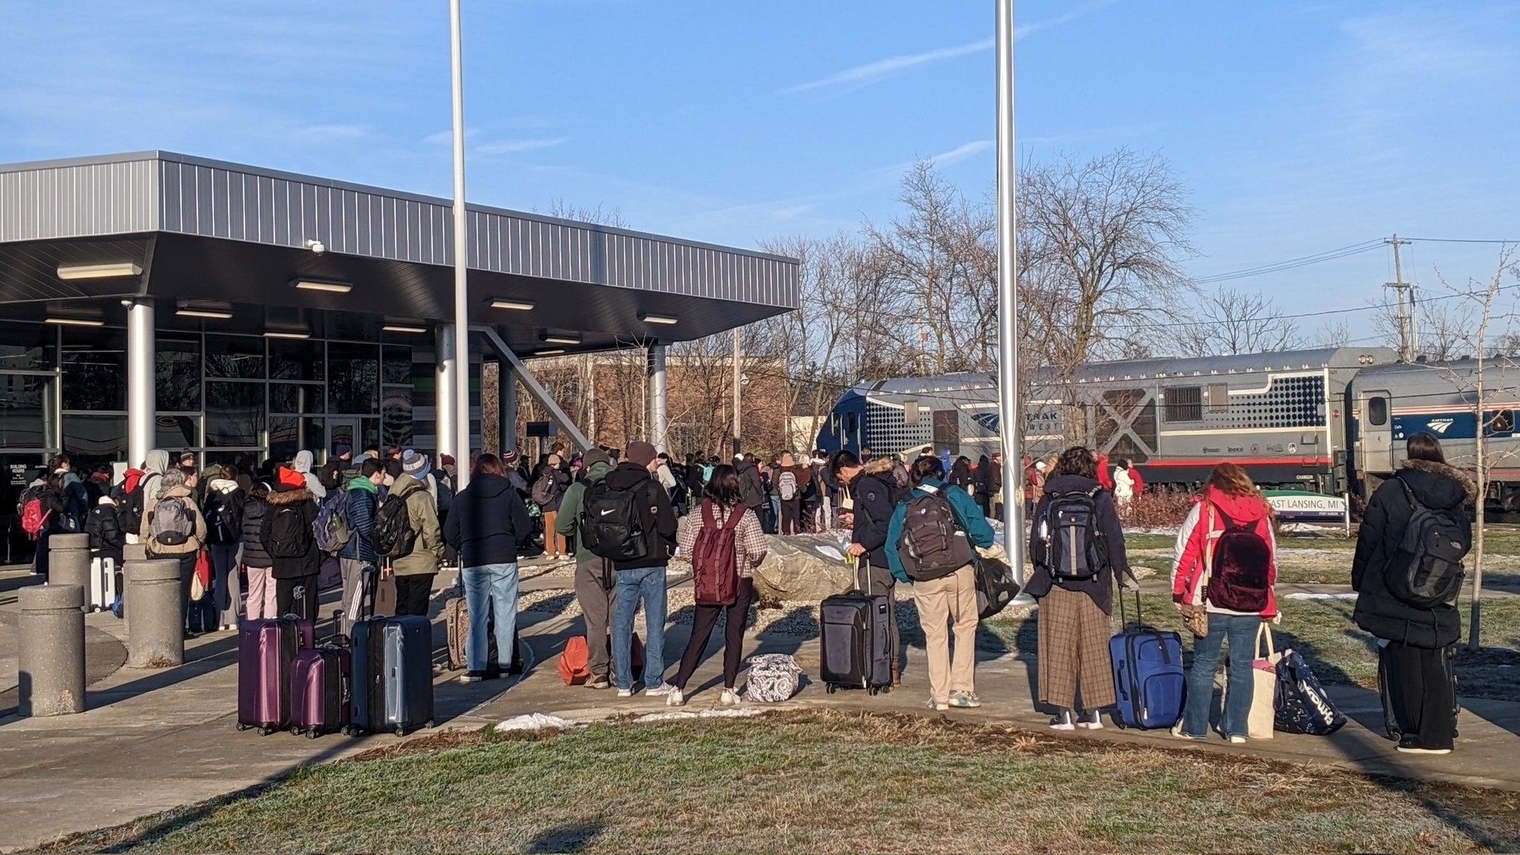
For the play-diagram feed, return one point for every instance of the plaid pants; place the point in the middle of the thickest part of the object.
(1073, 653)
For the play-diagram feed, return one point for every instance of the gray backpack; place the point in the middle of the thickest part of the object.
(172, 522)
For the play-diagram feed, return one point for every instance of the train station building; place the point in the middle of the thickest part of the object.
(161, 300)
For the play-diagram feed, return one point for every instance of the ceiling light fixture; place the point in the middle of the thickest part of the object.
(210, 314)
(99, 271)
(76, 322)
(291, 334)
(668, 320)
(326, 285)
(513, 305)
(560, 338)
(403, 328)
(553, 351)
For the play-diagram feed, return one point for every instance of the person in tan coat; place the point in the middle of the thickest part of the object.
(174, 527)
(416, 569)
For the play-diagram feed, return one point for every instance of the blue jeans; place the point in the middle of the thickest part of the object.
(1240, 631)
(647, 584)
(490, 589)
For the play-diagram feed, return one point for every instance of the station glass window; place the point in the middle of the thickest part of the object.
(94, 365)
(353, 378)
(234, 414)
(27, 347)
(24, 409)
(296, 360)
(235, 356)
(178, 375)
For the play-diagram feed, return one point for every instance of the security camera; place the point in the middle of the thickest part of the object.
(316, 246)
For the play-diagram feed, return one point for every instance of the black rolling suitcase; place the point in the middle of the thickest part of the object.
(857, 640)
(392, 675)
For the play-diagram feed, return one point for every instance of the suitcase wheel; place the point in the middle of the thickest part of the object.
(829, 688)
(400, 731)
(241, 727)
(429, 724)
(874, 691)
(265, 731)
(312, 734)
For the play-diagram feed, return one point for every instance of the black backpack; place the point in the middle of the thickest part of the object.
(1427, 571)
(1074, 549)
(289, 533)
(933, 543)
(131, 502)
(611, 526)
(392, 535)
(224, 518)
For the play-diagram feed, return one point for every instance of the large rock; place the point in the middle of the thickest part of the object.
(802, 568)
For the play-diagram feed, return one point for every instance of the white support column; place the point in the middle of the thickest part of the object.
(507, 405)
(444, 406)
(658, 428)
(141, 392)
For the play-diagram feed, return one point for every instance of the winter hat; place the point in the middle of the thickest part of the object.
(595, 456)
(290, 479)
(414, 464)
(641, 453)
(554, 460)
(446, 459)
(510, 457)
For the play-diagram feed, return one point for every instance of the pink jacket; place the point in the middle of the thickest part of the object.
(1199, 532)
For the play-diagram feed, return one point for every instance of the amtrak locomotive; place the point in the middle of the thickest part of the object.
(1331, 420)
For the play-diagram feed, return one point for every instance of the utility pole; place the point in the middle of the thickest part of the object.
(460, 441)
(1010, 407)
(738, 381)
(1406, 307)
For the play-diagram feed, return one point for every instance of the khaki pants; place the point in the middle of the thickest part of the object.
(948, 605)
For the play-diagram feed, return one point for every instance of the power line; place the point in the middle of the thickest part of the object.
(1289, 264)
(1462, 240)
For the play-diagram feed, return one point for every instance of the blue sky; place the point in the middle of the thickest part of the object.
(1297, 127)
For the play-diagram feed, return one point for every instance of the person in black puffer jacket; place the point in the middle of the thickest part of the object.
(487, 522)
(867, 508)
(1413, 642)
(256, 560)
(289, 539)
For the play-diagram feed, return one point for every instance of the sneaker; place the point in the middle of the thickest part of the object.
(471, 677)
(1238, 740)
(1178, 732)
(675, 698)
(625, 693)
(1408, 746)
(598, 683)
(965, 700)
(662, 689)
(730, 698)
(1092, 721)
(937, 706)
(1063, 722)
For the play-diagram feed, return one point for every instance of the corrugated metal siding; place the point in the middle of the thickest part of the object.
(78, 201)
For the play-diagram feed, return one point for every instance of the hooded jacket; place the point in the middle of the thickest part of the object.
(363, 501)
(658, 518)
(197, 538)
(299, 499)
(427, 545)
(254, 553)
(1440, 488)
(1203, 526)
(569, 519)
(1101, 587)
(872, 494)
(487, 521)
(302, 464)
(226, 498)
(751, 488)
(106, 536)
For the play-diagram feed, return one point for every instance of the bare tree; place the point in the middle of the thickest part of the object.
(1441, 326)
(1234, 321)
(1336, 333)
(601, 215)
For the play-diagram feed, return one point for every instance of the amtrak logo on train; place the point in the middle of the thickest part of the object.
(1440, 426)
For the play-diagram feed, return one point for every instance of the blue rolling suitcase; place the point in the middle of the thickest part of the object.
(1148, 677)
(392, 661)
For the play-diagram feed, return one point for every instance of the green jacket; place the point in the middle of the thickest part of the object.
(569, 519)
(427, 549)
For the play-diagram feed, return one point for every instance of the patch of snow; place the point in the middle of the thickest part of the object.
(538, 721)
(1310, 595)
(682, 715)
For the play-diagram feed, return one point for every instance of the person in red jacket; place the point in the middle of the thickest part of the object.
(1105, 473)
(1134, 475)
(1233, 585)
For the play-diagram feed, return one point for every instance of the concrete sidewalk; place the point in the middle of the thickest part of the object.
(153, 740)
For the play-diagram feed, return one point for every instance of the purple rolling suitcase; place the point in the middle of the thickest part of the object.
(267, 650)
(319, 686)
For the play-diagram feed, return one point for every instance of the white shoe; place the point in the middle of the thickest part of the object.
(1063, 722)
(1410, 749)
(730, 698)
(625, 693)
(662, 689)
(676, 698)
(1238, 740)
(1094, 721)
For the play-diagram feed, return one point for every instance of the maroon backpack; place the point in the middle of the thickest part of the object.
(1242, 568)
(714, 561)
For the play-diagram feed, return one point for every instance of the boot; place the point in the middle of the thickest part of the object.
(896, 678)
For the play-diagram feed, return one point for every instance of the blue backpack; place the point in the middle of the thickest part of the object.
(330, 529)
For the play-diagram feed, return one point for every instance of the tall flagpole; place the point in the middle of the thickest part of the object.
(461, 268)
(1009, 422)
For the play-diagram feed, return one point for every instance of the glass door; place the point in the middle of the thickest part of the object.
(343, 431)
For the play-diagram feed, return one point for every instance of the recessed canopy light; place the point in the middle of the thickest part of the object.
(76, 322)
(553, 351)
(98, 271)
(657, 319)
(561, 338)
(295, 334)
(211, 314)
(513, 305)
(404, 328)
(327, 285)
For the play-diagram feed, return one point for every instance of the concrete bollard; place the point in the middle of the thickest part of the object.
(130, 553)
(51, 654)
(156, 638)
(69, 561)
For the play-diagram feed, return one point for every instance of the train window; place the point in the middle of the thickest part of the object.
(1184, 404)
(851, 423)
(1219, 398)
(910, 412)
(1502, 422)
(1377, 411)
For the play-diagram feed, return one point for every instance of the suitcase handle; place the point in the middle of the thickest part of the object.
(1123, 620)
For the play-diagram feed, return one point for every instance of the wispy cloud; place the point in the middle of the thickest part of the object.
(871, 72)
(447, 137)
(515, 146)
(944, 158)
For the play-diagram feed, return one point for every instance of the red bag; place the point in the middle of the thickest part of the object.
(203, 569)
(714, 562)
(574, 663)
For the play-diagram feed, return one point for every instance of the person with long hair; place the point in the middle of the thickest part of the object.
(1229, 501)
(485, 524)
(1414, 641)
(946, 601)
(721, 501)
(1076, 673)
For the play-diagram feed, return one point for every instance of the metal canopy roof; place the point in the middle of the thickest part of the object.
(214, 232)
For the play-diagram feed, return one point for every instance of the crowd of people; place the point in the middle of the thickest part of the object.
(262, 533)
